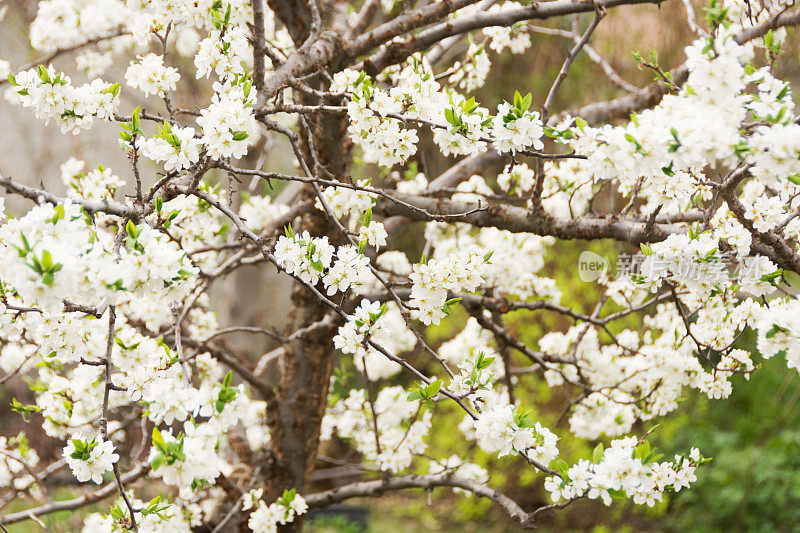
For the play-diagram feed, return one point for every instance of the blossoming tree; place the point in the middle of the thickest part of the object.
(105, 297)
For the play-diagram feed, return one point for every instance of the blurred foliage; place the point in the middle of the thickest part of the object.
(753, 484)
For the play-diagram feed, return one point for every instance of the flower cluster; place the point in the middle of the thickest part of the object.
(259, 211)
(314, 259)
(382, 324)
(472, 73)
(517, 179)
(306, 257)
(228, 125)
(154, 515)
(66, 23)
(90, 458)
(779, 331)
(402, 428)
(53, 96)
(626, 468)
(95, 184)
(431, 282)
(151, 76)
(52, 253)
(504, 431)
(17, 461)
(177, 147)
(516, 128)
(462, 469)
(346, 202)
(224, 55)
(513, 37)
(266, 518)
(464, 133)
(715, 267)
(385, 140)
(181, 459)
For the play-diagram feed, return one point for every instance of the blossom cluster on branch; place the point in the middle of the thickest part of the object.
(106, 304)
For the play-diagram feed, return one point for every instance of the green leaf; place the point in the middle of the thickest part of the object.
(433, 388)
(449, 116)
(43, 74)
(526, 102)
(561, 466)
(157, 461)
(59, 209)
(642, 451)
(631, 139)
(597, 454)
(523, 419)
(158, 440)
(130, 229)
(483, 362)
(769, 40)
(775, 329)
(653, 457)
(47, 261)
(24, 410)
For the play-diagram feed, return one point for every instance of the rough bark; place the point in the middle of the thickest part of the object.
(295, 414)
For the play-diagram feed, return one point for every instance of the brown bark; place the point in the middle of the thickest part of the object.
(295, 414)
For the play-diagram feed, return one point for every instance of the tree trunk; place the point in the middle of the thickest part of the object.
(295, 414)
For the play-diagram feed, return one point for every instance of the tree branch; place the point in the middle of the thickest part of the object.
(427, 482)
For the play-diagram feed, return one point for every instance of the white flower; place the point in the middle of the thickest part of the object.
(694, 455)
(516, 130)
(151, 76)
(52, 96)
(375, 234)
(177, 147)
(90, 458)
(431, 282)
(517, 179)
(228, 123)
(93, 63)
